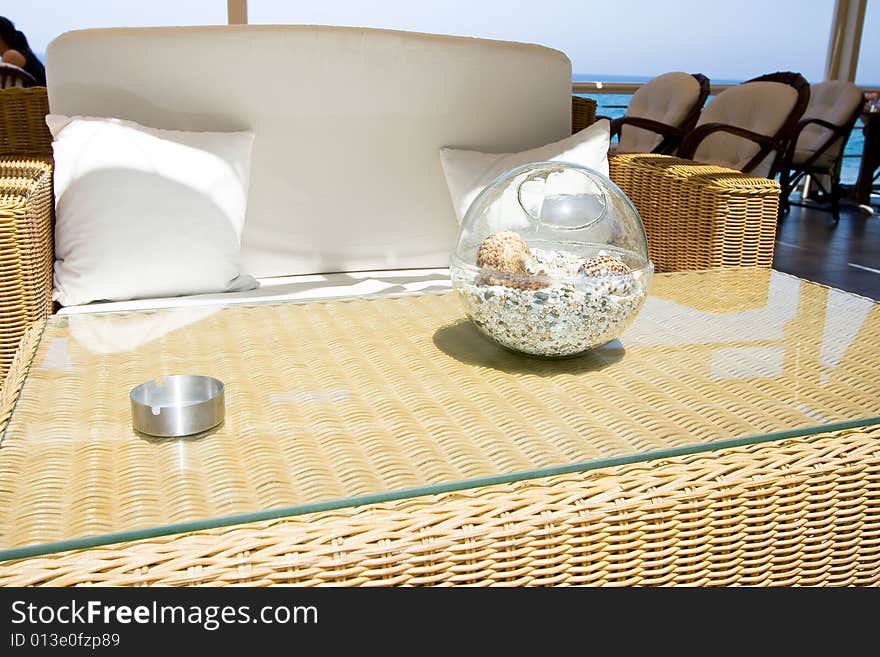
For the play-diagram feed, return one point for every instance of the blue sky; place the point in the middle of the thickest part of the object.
(735, 39)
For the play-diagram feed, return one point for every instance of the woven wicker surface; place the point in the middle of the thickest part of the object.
(583, 113)
(330, 400)
(25, 250)
(26, 204)
(23, 129)
(804, 511)
(699, 216)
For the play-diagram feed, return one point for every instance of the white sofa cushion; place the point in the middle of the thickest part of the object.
(345, 174)
(306, 287)
(761, 107)
(667, 98)
(468, 172)
(146, 213)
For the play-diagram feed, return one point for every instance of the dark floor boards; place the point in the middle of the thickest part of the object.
(810, 245)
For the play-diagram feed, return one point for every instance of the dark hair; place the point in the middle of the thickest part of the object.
(13, 38)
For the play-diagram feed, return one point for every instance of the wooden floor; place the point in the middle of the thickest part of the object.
(845, 256)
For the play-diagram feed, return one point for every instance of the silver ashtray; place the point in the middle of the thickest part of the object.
(178, 405)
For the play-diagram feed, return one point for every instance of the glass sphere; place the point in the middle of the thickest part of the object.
(552, 260)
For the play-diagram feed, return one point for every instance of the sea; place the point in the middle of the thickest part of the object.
(614, 105)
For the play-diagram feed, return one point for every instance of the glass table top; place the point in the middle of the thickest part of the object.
(332, 404)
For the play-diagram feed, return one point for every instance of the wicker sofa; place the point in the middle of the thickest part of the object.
(696, 216)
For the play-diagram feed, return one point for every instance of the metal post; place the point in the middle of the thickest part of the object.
(845, 39)
(236, 12)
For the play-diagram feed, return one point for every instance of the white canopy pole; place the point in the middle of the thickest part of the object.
(845, 39)
(236, 12)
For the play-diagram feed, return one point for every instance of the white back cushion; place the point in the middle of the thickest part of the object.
(833, 101)
(761, 107)
(469, 172)
(146, 213)
(668, 98)
(345, 173)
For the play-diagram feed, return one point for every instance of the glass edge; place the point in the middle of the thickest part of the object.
(25, 377)
(373, 296)
(187, 527)
(396, 295)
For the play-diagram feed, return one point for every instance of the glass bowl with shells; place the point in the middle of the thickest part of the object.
(552, 260)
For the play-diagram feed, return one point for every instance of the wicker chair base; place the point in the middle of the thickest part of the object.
(716, 217)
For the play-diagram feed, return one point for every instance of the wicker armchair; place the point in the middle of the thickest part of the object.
(647, 133)
(26, 211)
(816, 149)
(729, 124)
(696, 216)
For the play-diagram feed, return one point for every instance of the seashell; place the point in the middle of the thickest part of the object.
(504, 252)
(603, 264)
(507, 253)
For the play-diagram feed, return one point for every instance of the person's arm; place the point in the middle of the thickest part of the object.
(14, 57)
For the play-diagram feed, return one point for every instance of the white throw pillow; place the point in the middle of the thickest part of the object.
(142, 212)
(469, 172)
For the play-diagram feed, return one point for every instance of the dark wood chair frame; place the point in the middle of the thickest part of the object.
(10, 73)
(778, 142)
(671, 135)
(792, 174)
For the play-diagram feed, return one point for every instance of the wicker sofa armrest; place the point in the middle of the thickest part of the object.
(699, 216)
(23, 129)
(26, 249)
(583, 113)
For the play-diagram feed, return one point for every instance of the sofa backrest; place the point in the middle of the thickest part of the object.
(345, 171)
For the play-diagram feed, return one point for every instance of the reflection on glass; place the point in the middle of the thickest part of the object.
(328, 401)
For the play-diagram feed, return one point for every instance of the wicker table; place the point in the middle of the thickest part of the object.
(730, 436)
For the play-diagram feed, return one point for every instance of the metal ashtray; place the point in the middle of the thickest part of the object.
(178, 405)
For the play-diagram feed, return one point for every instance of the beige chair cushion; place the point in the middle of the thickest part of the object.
(345, 172)
(668, 98)
(833, 101)
(761, 107)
